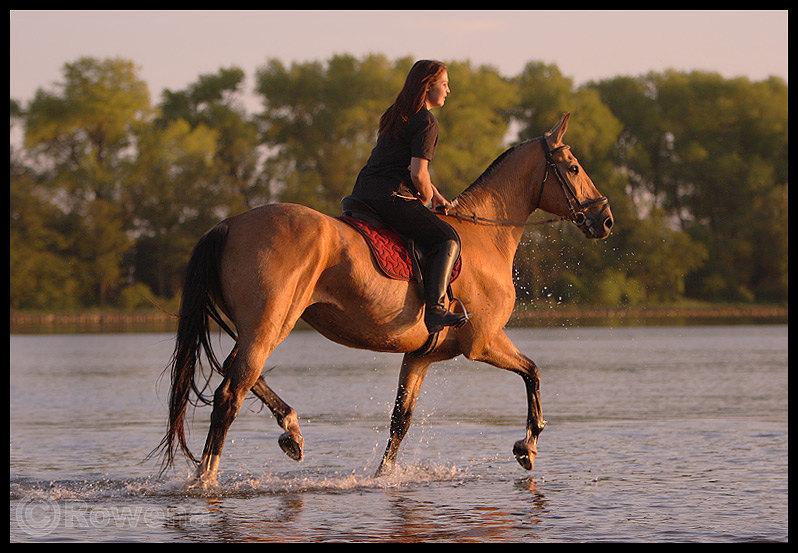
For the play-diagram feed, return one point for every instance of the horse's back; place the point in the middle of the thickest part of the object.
(284, 261)
(262, 225)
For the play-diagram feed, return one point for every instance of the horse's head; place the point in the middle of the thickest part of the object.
(567, 190)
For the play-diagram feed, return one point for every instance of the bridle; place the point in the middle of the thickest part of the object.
(577, 209)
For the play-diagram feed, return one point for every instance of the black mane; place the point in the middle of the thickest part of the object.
(486, 174)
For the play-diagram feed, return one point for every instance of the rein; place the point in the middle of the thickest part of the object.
(577, 215)
(484, 220)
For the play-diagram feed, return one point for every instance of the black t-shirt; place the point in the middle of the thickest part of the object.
(388, 167)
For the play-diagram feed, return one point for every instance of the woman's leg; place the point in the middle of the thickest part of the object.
(436, 283)
(440, 241)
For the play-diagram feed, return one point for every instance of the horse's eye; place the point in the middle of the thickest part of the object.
(574, 169)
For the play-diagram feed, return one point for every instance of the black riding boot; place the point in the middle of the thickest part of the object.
(436, 316)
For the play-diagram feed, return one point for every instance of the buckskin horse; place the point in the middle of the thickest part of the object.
(268, 267)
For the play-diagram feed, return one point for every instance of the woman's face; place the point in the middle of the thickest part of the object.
(437, 92)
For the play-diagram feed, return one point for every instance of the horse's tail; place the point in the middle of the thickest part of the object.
(201, 291)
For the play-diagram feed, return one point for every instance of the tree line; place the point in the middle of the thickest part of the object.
(110, 191)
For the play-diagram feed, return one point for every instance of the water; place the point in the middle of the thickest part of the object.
(654, 434)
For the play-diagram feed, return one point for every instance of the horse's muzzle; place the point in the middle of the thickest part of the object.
(596, 225)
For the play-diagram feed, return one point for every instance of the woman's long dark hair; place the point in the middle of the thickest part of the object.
(411, 98)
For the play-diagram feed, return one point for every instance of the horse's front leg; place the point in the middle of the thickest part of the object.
(526, 449)
(411, 377)
(502, 353)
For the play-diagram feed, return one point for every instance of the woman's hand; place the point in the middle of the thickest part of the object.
(427, 193)
(439, 201)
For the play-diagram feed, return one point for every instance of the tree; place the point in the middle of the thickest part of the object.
(41, 275)
(320, 120)
(81, 140)
(84, 130)
(99, 244)
(473, 125)
(108, 193)
(213, 101)
(711, 152)
(177, 199)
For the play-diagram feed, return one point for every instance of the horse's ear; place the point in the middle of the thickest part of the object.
(554, 136)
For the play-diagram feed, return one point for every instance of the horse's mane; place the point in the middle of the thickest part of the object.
(487, 173)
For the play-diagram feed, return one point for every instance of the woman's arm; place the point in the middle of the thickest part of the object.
(419, 172)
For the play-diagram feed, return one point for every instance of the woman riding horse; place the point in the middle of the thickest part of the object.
(264, 269)
(396, 183)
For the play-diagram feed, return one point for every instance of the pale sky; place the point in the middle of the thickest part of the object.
(173, 48)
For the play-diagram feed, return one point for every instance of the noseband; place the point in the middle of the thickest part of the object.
(576, 207)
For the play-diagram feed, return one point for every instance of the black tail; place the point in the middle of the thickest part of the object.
(197, 306)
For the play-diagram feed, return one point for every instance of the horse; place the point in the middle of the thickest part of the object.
(266, 268)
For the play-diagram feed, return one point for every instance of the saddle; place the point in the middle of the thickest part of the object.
(397, 256)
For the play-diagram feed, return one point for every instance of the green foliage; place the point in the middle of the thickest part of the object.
(41, 275)
(473, 125)
(174, 188)
(110, 193)
(321, 122)
(136, 296)
(212, 103)
(712, 152)
(614, 288)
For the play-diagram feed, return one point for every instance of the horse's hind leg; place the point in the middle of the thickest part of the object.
(241, 375)
(291, 441)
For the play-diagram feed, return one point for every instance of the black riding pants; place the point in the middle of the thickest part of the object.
(410, 218)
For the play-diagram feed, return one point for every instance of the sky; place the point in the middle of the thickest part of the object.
(173, 48)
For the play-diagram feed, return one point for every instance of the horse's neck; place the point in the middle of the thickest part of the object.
(505, 193)
(505, 190)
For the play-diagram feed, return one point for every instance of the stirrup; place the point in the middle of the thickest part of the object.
(466, 314)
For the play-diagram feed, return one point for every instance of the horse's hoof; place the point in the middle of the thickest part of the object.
(524, 454)
(292, 444)
(385, 469)
(202, 484)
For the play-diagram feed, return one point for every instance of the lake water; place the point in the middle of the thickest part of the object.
(654, 434)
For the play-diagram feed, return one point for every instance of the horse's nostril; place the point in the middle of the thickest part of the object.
(608, 223)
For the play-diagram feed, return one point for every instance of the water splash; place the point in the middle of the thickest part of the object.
(272, 483)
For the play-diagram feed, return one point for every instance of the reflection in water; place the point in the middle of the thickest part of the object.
(417, 520)
(274, 521)
(538, 505)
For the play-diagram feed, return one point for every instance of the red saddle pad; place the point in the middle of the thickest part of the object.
(390, 250)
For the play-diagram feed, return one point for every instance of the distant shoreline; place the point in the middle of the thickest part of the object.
(640, 316)
(523, 316)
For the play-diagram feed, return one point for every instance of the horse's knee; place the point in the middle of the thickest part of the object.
(531, 377)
